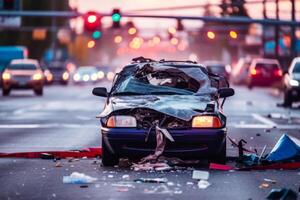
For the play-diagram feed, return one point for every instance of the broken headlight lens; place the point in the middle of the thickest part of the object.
(206, 122)
(121, 121)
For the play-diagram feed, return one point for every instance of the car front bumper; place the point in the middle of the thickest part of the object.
(189, 143)
(16, 84)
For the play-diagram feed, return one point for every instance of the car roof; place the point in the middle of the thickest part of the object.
(24, 61)
(213, 63)
(296, 59)
(265, 60)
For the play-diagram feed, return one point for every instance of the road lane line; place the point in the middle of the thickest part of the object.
(33, 126)
(264, 120)
(264, 126)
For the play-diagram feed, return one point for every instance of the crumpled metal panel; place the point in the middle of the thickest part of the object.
(184, 106)
(180, 106)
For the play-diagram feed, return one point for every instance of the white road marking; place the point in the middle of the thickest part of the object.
(264, 120)
(56, 125)
(264, 126)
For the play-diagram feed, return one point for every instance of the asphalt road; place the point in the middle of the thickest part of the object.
(64, 119)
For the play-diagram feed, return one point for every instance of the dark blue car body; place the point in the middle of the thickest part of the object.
(136, 142)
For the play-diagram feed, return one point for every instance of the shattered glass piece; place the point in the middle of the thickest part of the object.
(203, 184)
(287, 148)
(78, 178)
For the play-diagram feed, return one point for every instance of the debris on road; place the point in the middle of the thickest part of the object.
(78, 178)
(286, 149)
(270, 180)
(264, 185)
(203, 184)
(221, 167)
(151, 180)
(200, 175)
(282, 194)
(58, 164)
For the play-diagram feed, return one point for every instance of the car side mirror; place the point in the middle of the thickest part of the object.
(226, 92)
(100, 91)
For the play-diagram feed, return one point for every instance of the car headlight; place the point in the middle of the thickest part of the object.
(121, 121)
(6, 76)
(65, 76)
(94, 77)
(101, 74)
(86, 77)
(76, 77)
(294, 82)
(37, 76)
(206, 121)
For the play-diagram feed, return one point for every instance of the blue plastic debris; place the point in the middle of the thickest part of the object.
(286, 149)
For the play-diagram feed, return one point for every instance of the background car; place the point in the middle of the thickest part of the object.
(240, 71)
(47, 74)
(218, 68)
(146, 97)
(23, 74)
(264, 72)
(86, 74)
(59, 72)
(291, 83)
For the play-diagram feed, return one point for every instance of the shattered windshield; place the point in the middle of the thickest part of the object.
(165, 80)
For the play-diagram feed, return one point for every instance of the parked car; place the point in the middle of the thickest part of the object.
(264, 72)
(8, 53)
(86, 74)
(291, 83)
(240, 71)
(176, 97)
(218, 68)
(23, 74)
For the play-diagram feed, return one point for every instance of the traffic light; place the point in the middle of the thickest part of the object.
(97, 35)
(8, 4)
(116, 18)
(92, 21)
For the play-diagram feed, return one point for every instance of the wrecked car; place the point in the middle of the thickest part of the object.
(170, 108)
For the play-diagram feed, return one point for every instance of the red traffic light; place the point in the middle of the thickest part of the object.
(92, 21)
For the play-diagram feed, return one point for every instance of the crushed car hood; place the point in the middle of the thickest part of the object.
(184, 107)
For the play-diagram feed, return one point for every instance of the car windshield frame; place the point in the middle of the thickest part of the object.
(128, 84)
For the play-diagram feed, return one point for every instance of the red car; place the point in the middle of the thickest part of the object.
(264, 72)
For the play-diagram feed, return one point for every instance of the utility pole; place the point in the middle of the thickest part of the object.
(54, 32)
(277, 29)
(264, 28)
(293, 36)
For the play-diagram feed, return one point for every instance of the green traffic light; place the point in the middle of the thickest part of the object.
(116, 17)
(97, 34)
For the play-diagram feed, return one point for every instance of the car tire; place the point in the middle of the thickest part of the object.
(287, 100)
(39, 92)
(221, 157)
(108, 159)
(5, 92)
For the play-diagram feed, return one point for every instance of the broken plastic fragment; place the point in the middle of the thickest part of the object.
(151, 180)
(287, 148)
(78, 178)
(200, 175)
(282, 194)
(203, 184)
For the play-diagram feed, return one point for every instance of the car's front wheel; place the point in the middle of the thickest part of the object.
(287, 100)
(221, 157)
(39, 92)
(108, 158)
(5, 92)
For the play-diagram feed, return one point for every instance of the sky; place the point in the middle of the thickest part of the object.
(106, 6)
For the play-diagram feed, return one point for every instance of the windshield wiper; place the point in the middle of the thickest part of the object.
(126, 93)
(166, 93)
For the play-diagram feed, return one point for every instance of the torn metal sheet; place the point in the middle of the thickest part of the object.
(148, 86)
(184, 107)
